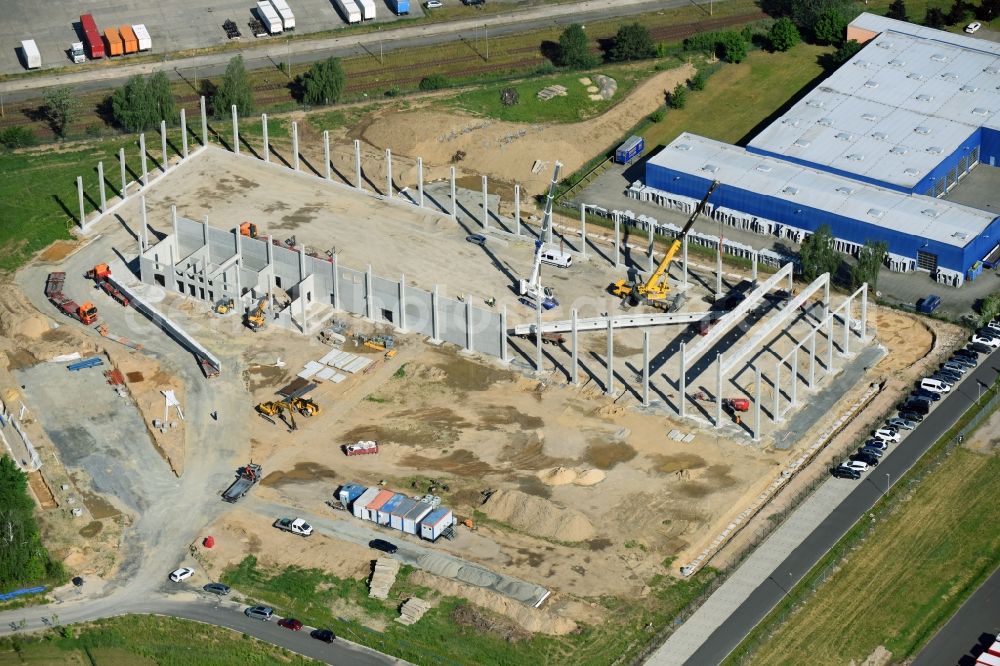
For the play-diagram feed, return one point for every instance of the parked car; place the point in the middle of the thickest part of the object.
(994, 326)
(871, 451)
(912, 417)
(433, 4)
(290, 623)
(217, 588)
(181, 574)
(857, 465)
(936, 382)
(918, 405)
(901, 423)
(845, 472)
(888, 434)
(987, 341)
(948, 377)
(981, 348)
(866, 458)
(973, 27)
(955, 366)
(964, 361)
(989, 332)
(324, 635)
(924, 393)
(876, 443)
(383, 545)
(259, 613)
(970, 354)
(476, 239)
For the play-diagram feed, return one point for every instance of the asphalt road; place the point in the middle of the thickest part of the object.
(870, 488)
(972, 629)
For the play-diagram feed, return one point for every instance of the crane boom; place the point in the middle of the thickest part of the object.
(532, 287)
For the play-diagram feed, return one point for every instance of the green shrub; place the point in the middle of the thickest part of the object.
(678, 96)
(433, 82)
(17, 137)
(657, 116)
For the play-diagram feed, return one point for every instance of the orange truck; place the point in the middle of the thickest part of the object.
(115, 45)
(129, 40)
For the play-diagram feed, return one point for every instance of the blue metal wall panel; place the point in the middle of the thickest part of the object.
(947, 164)
(989, 150)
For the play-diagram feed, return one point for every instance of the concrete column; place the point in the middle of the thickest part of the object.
(777, 392)
(754, 258)
(236, 131)
(611, 358)
(265, 137)
(402, 302)
(121, 164)
(503, 334)
(795, 377)
(239, 246)
(420, 182)
(486, 207)
(79, 193)
(295, 145)
(468, 322)
(388, 173)
(100, 183)
(847, 329)
(718, 271)
(583, 230)
(184, 135)
(757, 425)
(269, 250)
(357, 164)
(829, 344)
(645, 369)
(682, 385)
(649, 233)
(864, 312)
(204, 123)
(826, 298)
(435, 323)
(718, 390)
(517, 210)
(369, 304)
(270, 298)
(144, 235)
(618, 234)
(305, 311)
(302, 262)
(336, 282)
(538, 335)
(142, 156)
(204, 239)
(163, 145)
(173, 223)
(812, 360)
(684, 261)
(327, 171)
(454, 200)
(574, 351)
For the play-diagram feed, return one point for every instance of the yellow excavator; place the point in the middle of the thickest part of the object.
(306, 406)
(281, 410)
(654, 291)
(255, 319)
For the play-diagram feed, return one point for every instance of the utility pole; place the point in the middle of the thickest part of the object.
(486, 32)
(380, 60)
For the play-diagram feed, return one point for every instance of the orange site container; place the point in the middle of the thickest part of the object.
(129, 39)
(114, 40)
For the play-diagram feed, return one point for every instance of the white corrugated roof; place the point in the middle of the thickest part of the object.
(897, 109)
(915, 215)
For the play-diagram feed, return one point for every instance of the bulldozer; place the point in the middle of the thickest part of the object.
(255, 319)
(306, 406)
(224, 306)
(282, 410)
(248, 229)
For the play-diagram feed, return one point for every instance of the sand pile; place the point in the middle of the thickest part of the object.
(539, 516)
(562, 476)
(590, 477)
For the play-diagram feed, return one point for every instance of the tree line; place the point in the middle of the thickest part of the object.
(23, 558)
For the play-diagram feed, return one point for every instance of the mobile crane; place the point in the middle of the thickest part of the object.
(531, 290)
(654, 291)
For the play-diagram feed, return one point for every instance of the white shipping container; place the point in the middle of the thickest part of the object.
(364, 501)
(142, 36)
(269, 17)
(435, 522)
(367, 9)
(32, 58)
(414, 516)
(349, 10)
(285, 12)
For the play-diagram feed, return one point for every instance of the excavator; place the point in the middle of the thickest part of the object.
(255, 319)
(306, 406)
(654, 291)
(276, 408)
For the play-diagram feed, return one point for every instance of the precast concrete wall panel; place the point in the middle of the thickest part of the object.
(452, 315)
(386, 297)
(352, 290)
(286, 267)
(418, 311)
(322, 274)
(254, 253)
(486, 331)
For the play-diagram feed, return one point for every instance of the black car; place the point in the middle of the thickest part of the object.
(866, 458)
(324, 635)
(947, 376)
(970, 354)
(842, 472)
(872, 451)
(924, 393)
(476, 239)
(963, 362)
(911, 416)
(918, 405)
(217, 588)
(981, 348)
(383, 545)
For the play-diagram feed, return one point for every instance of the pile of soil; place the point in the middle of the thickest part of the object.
(470, 616)
(538, 516)
(590, 477)
(561, 476)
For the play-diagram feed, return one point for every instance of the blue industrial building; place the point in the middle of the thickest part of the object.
(868, 152)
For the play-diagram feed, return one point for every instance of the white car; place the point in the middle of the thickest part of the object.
(181, 574)
(856, 464)
(973, 27)
(433, 4)
(887, 434)
(988, 341)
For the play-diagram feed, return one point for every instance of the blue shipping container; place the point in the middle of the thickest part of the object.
(630, 149)
(400, 7)
(350, 492)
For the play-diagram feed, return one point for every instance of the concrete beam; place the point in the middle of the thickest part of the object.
(100, 183)
(624, 321)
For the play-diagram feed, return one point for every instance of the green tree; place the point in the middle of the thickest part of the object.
(783, 34)
(161, 96)
(678, 96)
(935, 18)
(830, 27)
(871, 258)
(23, 559)
(61, 108)
(733, 47)
(632, 42)
(988, 10)
(960, 12)
(324, 82)
(142, 103)
(844, 52)
(574, 49)
(989, 308)
(897, 10)
(818, 255)
(234, 89)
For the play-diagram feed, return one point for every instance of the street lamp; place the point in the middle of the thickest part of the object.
(886, 483)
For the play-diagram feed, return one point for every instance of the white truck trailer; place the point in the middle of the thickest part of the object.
(142, 36)
(349, 10)
(269, 17)
(32, 58)
(367, 9)
(285, 12)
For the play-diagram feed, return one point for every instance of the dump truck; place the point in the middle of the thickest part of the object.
(361, 448)
(86, 313)
(294, 525)
(547, 338)
(246, 478)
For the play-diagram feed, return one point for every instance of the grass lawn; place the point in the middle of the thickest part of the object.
(906, 578)
(311, 595)
(138, 640)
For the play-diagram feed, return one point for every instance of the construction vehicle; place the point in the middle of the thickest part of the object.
(295, 526)
(246, 478)
(531, 291)
(283, 410)
(100, 274)
(736, 405)
(305, 406)
(248, 229)
(376, 342)
(86, 313)
(654, 290)
(224, 306)
(547, 338)
(255, 319)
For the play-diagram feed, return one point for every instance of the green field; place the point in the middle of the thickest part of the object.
(905, 579)
(141, 640)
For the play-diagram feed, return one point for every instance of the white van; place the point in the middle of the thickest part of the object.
(557, 258)
(934, 385)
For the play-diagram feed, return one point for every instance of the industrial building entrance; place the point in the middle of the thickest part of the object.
(927, 261)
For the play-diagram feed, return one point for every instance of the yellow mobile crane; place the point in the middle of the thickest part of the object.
(255, 319)
(654, 291)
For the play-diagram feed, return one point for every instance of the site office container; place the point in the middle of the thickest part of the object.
(362, 502)
(142, 36)
(91, 37)
(349, 492)
(115, 45)
(413, 517)
(435, 522)
(630, 149)
(383, 514)
(396, 515)
(400, 7)
(371, 511)
(129, 39)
